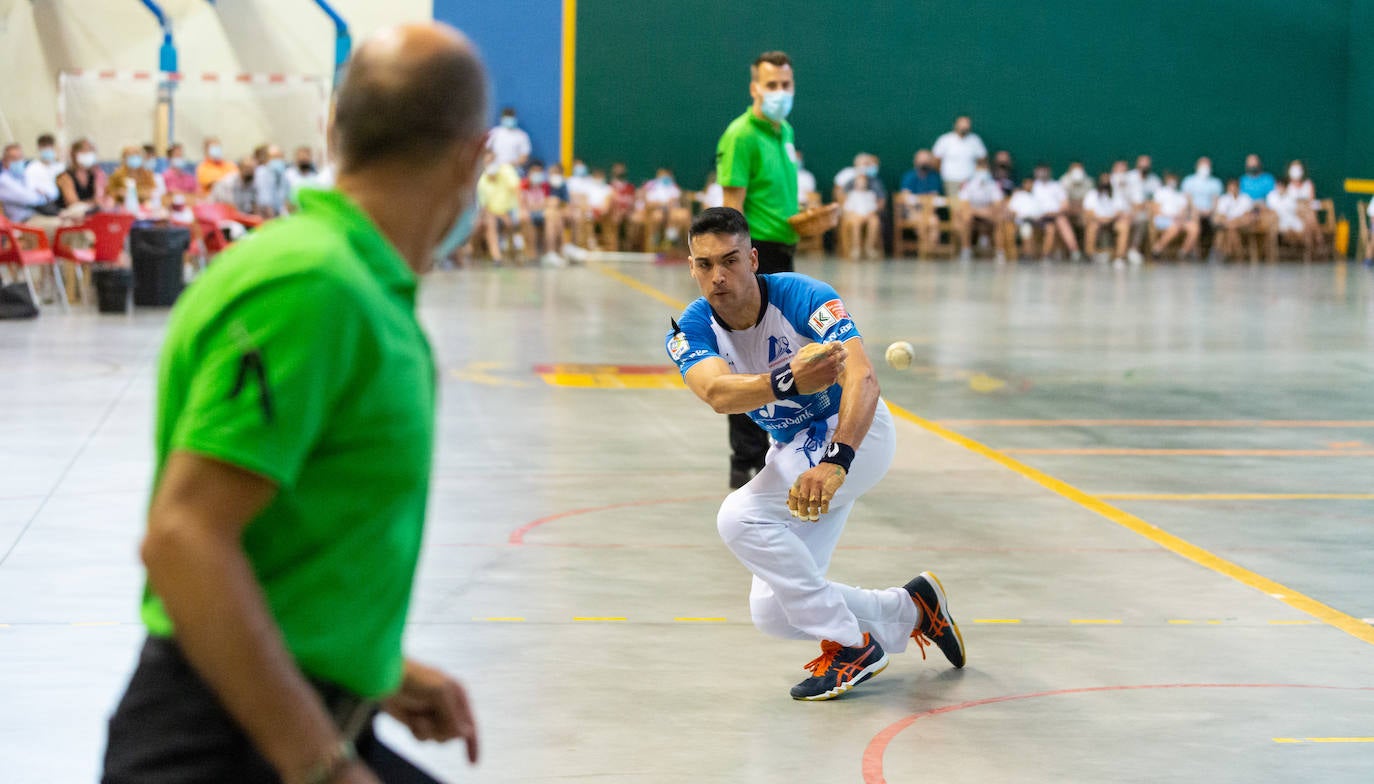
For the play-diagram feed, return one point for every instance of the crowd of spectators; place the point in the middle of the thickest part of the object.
(956, 195)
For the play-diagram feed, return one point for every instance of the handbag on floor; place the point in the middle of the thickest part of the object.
(15, 302)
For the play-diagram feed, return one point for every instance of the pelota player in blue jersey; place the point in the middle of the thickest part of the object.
(742, 348)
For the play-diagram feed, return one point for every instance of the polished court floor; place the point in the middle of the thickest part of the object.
(1149, 493)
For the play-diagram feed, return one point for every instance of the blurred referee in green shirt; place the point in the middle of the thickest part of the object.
(295, 427)
(756, 166)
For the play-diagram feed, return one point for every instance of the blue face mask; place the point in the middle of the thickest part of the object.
(580, 170)
(215, 152)
(134, 161)
(277, 165)
(16, 168)
(177, 163)
(47, 155)
(462, 229)
(150, 163)
(777, 105)
(871, 170)
(508, 122)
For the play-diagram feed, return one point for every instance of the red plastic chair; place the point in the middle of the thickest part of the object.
(217, 212)
(108, 231)
(13, 251)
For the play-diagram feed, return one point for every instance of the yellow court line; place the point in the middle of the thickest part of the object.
(568, 103)
(1329, 615)
(1235, 496)
(1324, 740)
(1346, 623)
(996, 620)
(594, 618)
(687, 619)
(642, 288)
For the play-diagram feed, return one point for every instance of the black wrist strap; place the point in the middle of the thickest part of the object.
(784, 385)
(839, 454)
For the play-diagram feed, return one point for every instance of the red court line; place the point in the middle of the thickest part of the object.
(1127, 451)
(518, 535)
(1270, 423)
(873, 754)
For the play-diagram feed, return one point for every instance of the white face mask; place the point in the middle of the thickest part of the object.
(85, 159)
(1295, 172)
(1204, 170)
(1076, 175)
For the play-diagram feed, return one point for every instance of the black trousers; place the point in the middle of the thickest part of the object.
(169, 728)
(748, 442)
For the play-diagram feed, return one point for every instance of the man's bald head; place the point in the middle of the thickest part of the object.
(410, 92)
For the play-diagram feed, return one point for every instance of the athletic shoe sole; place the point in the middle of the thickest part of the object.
(949, 619)
(864, 674)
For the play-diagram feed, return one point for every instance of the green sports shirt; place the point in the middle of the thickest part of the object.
(754, 155)
(298, 357)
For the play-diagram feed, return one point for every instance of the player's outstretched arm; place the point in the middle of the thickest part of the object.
(737, 393)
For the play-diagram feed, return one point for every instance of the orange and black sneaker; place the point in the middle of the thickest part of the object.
(839, 669)
(936, 624)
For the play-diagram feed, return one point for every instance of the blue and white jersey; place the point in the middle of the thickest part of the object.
(796, 310)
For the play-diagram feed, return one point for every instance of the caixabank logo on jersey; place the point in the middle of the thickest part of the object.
(827, 316)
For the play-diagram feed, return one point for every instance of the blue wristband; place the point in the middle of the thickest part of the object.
(839, 454)
(784, 385)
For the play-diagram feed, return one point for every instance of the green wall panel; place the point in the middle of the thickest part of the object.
(1051, 80)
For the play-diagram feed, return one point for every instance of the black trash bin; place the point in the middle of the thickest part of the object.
(112, 288)
(158, 252)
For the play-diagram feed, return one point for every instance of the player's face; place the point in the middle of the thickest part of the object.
(723, 266)
(769, 78)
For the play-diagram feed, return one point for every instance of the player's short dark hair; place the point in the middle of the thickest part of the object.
(47, 140)
(719, 220)
(773, 58)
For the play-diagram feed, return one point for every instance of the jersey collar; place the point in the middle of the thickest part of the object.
(763, 306)
(375, 250)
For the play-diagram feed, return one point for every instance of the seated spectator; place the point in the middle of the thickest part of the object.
(1004, 171)
(864, 163)
(132, 186)
(19, 200)
(1256, 182)
(956, 152)
(1026, 213)
(1138, 186)
(150, 165)
(1369, 228)
(1203, 189)
(213, 167)
(1174, 216)
(712, 195)
(303, 173)
(806, 183)
(981, 203)
(923, 178)
(1105, 208)
(273, 189)
(236, 189)
(623, 195)
(1054, 213)
(81, 188)
(178, 176)
(1076, 184)
(508, 141)
(860, 220)
(664, 211)
(1300, 188)
(179, 209)
(1288, 221)
(498, 194)
(1233, 214)
(41, 173)
(541, 208)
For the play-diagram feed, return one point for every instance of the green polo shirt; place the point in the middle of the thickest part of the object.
(754, 155)
(297, 356)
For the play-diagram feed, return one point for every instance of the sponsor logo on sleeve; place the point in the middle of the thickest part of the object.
(827, 316)
(678, 346)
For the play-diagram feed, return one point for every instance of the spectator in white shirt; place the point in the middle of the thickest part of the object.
(1105, 208)
(271, 183)
(958, 152)
(41, 173)
(1287, 206)
(1054, 214)
(304, 174)
(712, 195)
(981, 202)
(508, 141)
(1138, 186)
(1076, 184)
(663, 210)
(1026, 212)
(860, 220)
(1234, 213)
(844, 178)
(806, 183)
(1300, 188)
(1174, 215)
(1369, 235)
(1203, 189)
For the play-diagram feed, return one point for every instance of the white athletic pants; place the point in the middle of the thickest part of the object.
(789, 557)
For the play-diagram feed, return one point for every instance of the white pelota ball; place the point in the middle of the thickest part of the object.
(900, 355)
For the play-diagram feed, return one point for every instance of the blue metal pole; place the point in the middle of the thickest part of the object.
(167, 64)
(343, 42)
